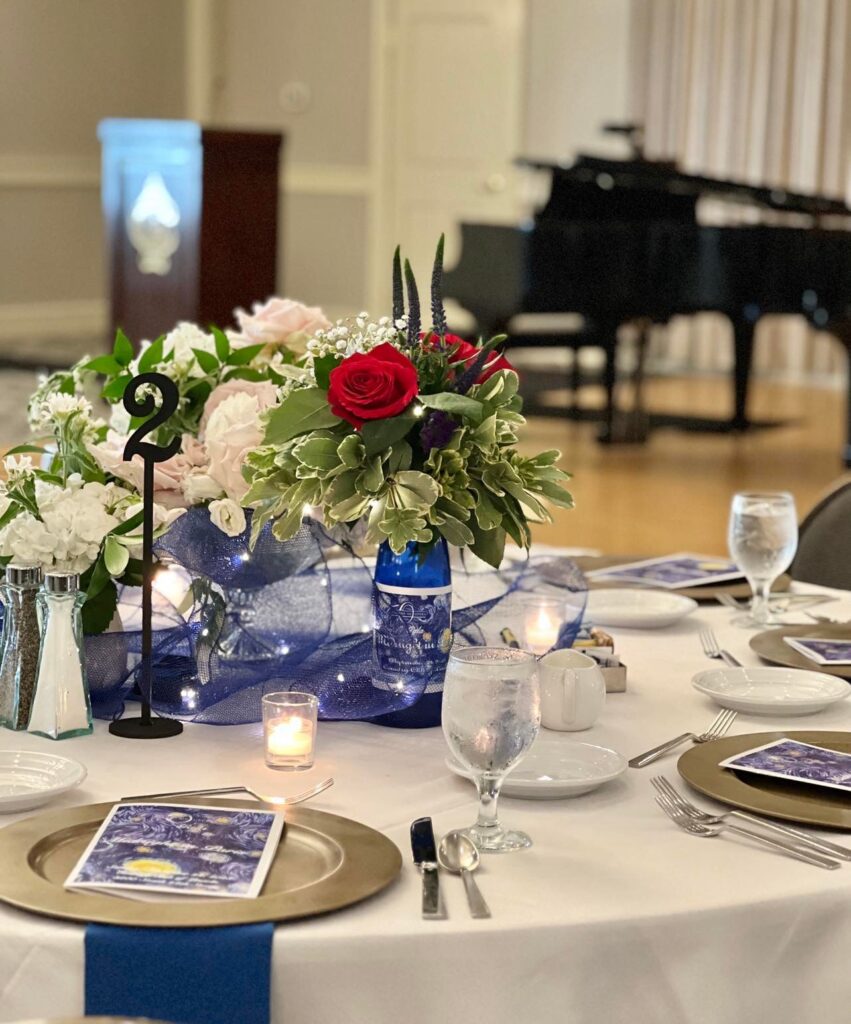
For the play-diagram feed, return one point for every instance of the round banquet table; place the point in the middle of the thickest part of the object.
(613, 917)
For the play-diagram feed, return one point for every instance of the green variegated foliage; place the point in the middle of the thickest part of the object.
(473, 490)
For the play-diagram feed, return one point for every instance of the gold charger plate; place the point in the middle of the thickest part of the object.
(323, 863)
(792, 801)
(708, 592)
(770, 646)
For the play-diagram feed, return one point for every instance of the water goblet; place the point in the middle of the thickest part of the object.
(491, 716)
(763, 538)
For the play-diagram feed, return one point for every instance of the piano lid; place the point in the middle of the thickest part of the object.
(641, 175)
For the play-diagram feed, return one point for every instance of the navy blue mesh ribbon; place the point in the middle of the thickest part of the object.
(291, 616)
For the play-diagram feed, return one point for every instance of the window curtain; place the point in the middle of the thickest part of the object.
(754, 90)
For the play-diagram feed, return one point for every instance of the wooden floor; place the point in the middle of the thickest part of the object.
(673, 493)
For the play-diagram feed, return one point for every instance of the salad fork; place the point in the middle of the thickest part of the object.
(695, 828)
(712, 650)
(720, 724)
(665, 788)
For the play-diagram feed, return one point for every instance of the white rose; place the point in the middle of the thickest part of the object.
(228, 516)
(200, 487)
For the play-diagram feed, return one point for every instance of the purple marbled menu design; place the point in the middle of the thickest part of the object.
(180, 849)
(821, 651)
(796, 762)
(672, 571)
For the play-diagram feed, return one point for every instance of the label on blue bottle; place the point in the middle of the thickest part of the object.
(413, 629)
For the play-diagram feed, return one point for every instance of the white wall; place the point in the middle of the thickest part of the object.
(63, 67)
(577, 75)
(65, 64)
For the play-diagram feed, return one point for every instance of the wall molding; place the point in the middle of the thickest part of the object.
(74, 172)
(67, 318)
(59, 171)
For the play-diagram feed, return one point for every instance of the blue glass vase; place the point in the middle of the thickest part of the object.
(412, 632)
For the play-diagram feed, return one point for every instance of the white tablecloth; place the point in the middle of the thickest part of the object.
(613, 917)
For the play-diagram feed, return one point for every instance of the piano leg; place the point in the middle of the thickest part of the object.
(610, 372)
(743, 336)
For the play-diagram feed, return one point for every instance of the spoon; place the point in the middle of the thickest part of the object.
(276, 801)
(458, 854)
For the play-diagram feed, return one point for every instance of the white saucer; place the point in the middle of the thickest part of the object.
(636, 608)
(30, 779)
(555, 768)
(772, 691)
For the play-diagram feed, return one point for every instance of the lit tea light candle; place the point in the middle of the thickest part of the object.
(543, 621)
(293, 736)
(289, 729)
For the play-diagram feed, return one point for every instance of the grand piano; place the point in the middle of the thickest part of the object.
(619, 241)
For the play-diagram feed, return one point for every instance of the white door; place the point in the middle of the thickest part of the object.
(453, 94)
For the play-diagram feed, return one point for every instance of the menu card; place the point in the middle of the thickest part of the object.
(180, 849)
(671, 571)
(796, 762)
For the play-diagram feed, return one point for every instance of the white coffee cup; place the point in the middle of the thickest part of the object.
(573, 691)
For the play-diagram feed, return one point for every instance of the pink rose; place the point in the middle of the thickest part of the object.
(168, 475)
(233, 430)
(263, 391)
(281, 322)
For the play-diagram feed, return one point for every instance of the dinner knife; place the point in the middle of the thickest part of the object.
(425, 857)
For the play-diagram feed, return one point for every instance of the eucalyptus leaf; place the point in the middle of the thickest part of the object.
(457, 405)
(379, 435)
(302, 411)
(489, 545)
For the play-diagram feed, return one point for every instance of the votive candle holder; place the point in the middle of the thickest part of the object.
(289, 730)
(543, 618)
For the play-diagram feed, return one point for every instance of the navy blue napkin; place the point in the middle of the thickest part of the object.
(180, 975)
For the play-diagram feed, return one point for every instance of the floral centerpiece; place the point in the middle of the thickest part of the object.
(406, 435)
(412, 432)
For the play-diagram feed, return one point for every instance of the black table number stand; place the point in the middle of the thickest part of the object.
(146, 726)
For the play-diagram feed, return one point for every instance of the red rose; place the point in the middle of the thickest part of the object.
(374, 386)
(466, 353)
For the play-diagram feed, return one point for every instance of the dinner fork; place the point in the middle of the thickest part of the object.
(712, 650)
(663, 787)
(275, 801)
(695, 828)
(720, 724)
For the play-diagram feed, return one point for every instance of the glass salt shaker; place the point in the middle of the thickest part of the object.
(20, 644)
(61, 706)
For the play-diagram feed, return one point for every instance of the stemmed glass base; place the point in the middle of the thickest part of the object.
(747, 621)
(498, 840)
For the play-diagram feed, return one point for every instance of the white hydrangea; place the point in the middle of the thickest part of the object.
(70, 530)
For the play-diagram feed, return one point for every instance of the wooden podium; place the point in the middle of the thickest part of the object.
(191, 221)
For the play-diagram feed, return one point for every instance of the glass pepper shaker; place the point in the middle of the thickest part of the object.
(61, 706)
(20, 644)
